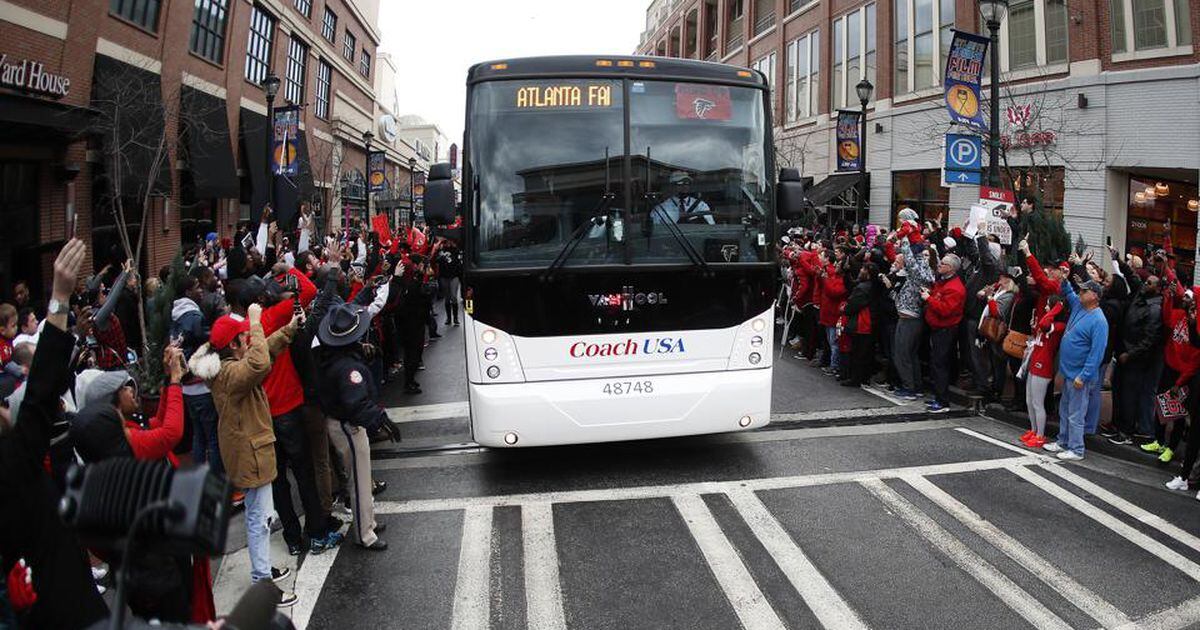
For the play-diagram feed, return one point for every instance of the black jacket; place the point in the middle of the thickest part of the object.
(1142, 329)
(860, 298)
(30, 527)
(347, 389)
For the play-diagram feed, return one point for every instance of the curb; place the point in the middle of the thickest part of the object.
(1129, 453)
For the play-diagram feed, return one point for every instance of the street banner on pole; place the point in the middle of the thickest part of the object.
(848, 149)
(376, 177)
(284, 132)
(998, 202)
(964, 69)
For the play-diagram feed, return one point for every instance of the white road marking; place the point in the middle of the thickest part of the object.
(1005, 445)
(472, 602)
(310, 579)
(442, 411)
(1080, 596)
(824, 601)
(1163, 552)
(987, 575)
(1142, 515)
(1175, 618)
(739, 586)
(543, 591)
(701, 487)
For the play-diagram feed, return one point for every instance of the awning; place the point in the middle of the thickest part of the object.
(831, 187)
(205, 128)
(31, 118)
(252, 128)
(131, 126)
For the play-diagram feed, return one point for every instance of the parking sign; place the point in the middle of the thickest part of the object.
(964, 158)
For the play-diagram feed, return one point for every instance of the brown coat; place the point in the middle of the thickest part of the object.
(244, 430)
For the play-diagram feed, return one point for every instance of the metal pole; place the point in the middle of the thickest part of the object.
(863, 189)
(994, 131)
(270, 137)
(367, 170)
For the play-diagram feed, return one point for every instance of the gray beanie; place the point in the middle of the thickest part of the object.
(908, 214)
(95, 385)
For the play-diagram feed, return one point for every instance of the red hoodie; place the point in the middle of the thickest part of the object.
(944, 308)
(1180, 354)
(1044, 285)
(1045, 344)
(804, 269)
(282, 385)
(166, 428)
(833, 295)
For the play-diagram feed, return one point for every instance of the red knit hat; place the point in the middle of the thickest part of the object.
(225, 330)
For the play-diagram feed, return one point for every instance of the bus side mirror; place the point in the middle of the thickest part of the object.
(789, 195)
(439, 195)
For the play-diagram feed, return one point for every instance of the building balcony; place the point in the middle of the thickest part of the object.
(764, 22)
(733, 39)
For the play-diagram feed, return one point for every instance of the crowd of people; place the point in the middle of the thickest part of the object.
(926, 307)
(271, 359)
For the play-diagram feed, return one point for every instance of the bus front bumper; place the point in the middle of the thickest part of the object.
(591, 410)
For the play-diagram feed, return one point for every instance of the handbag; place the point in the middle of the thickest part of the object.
(993, 328)
(1171, 405)
(1014, 344)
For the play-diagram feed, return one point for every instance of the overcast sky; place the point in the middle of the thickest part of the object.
(434, 42)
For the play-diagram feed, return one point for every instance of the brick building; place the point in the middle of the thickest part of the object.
(84, 81)
(1116, 83)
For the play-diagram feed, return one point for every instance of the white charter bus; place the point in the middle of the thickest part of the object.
(618, 232)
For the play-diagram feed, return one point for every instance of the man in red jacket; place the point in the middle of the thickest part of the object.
(944, 304)
(833, 296)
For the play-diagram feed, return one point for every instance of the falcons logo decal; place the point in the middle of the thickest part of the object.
(703, 106)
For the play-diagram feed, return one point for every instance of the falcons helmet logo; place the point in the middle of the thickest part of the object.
(703, 106)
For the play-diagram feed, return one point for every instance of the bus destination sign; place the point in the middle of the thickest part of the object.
(558, 96)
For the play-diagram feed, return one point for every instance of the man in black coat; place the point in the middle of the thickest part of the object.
(30, 527)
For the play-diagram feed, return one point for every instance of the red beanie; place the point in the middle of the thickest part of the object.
(225, 330)
(956, 232)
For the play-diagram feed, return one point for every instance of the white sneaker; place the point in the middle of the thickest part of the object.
(100, 572)
(1069, 456)
(1178, 483)
(101, 589)
(1053, 447)
(1198, 495)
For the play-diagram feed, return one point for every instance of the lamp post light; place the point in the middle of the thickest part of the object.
(270, 85)
(993, 12)
(864, 89)
(412, 201)
(367, 138)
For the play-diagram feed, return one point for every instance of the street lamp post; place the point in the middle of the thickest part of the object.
(864, 89)
(367, 138)
(270, 84)
(993, 12)
(412, 201)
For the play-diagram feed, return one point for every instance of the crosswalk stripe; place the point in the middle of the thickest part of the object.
(1005, 445)
(824, 601)
(417, 413)
(1080, 596)
(1163, 552)
(1175, 618)
(741, 590)
(310, 579)
(701, 487)
(989, 576)
(1153, 520)
(472, 603)
(543, 591)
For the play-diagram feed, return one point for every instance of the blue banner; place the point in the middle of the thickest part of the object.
(964, 69)
(849, 154)
(285, 130)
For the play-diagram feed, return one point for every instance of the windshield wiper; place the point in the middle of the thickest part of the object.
(597, 217)
(651, 199)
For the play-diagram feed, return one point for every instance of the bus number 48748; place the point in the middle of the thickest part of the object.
(623, 388)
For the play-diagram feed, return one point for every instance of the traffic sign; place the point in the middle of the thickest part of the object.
(963, 161)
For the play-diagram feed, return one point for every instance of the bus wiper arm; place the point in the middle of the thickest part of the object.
(599, 216)
(677, 234)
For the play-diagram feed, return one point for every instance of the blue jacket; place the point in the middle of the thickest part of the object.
(1082, 347)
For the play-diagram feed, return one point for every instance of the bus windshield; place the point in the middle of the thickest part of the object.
(547, 162)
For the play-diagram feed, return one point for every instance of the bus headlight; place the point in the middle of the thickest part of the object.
(756, 341)
(490, 354)
(745, 421)
(493, 371)
(510, 438)
(759, 325)
(755, 358)
(488, 336)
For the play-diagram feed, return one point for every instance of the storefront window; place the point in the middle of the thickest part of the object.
(922, 191)
(1045, 184)
(1156, 206)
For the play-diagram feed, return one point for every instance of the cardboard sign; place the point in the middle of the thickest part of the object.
(998, 203)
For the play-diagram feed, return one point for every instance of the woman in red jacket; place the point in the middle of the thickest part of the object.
(1040, 364)
(833, 296)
